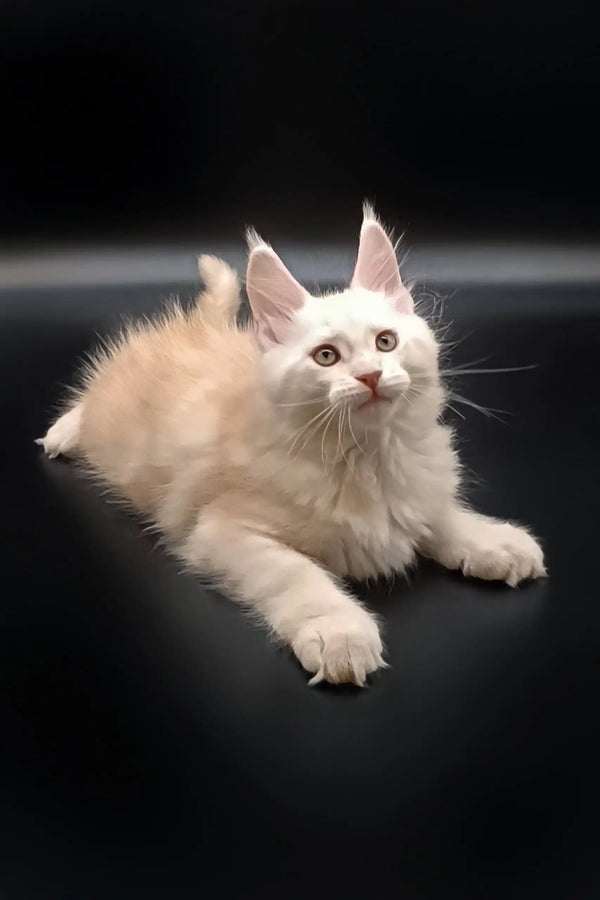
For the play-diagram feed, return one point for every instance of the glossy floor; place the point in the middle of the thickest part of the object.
(156, 744)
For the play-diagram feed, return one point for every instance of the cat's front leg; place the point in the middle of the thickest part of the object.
(329, 631)
(484, 547)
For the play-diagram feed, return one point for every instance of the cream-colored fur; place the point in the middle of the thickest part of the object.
(272, 474)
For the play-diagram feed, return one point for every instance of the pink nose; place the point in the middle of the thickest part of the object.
(370, 379)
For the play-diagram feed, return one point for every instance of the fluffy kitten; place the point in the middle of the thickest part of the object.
(282, 456)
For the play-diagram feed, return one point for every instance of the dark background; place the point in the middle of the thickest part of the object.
(153, 742)
(167, 118)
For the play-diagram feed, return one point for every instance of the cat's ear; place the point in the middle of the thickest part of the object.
(376, 266)
(274, 293)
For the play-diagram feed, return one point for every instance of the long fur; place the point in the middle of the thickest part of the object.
(272, 474)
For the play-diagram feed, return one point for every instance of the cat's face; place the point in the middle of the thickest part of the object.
(362, 352)
(351, 350)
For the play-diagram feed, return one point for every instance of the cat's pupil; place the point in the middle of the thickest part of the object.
(326, 356)
(386, 340)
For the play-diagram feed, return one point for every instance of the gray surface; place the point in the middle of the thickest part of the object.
(436, 264)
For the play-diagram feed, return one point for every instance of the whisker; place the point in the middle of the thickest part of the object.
(298, 434)
(362, 450)
(449, 345)
(304, 402)
(315, 431)
(475, 362)
(339, 440)
(489, 371)
(349, 466)
(293, 437)
(328, 421)
(455, 410)
(486, 411)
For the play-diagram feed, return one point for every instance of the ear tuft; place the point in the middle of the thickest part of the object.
(254, 240)
(376, 265)
(369, 213)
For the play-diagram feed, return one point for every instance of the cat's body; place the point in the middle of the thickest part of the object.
(258, 456)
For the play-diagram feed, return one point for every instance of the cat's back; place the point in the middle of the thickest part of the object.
(159, 385)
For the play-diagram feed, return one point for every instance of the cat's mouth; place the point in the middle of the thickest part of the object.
(373, 399)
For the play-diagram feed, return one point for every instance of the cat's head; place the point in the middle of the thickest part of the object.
(364, 349)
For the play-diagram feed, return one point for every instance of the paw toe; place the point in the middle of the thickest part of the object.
(340, 652)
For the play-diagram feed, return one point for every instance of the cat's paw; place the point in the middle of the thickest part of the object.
(341, 648)
(500, 551)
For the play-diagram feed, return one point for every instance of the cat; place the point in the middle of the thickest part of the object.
(281, 456)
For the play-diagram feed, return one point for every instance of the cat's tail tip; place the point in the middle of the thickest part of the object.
(220, 300)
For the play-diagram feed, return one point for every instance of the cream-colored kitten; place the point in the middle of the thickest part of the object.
(280, 457)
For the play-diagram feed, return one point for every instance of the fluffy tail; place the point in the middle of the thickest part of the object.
(220, 300)
(63, 437)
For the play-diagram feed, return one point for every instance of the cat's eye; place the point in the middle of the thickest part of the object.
(326, 355)
(386, 341)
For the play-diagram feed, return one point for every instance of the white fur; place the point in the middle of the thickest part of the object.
(271, 473)
(63, 437)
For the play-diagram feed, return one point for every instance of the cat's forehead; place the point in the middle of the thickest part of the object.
(350, 311)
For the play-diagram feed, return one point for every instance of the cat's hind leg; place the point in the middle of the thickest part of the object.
(63, 437)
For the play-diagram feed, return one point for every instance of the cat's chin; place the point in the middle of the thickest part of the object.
(374, 412)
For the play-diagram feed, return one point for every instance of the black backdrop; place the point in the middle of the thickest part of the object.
(153, 743)
(156, 117)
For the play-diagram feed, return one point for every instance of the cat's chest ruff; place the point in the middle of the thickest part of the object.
(365, 517)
